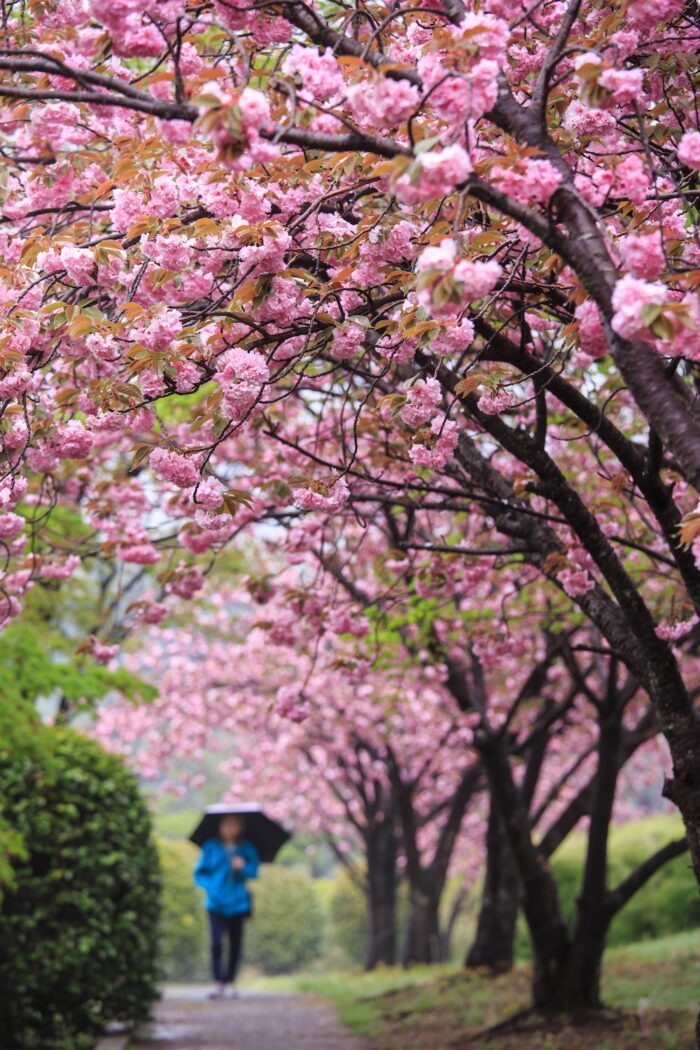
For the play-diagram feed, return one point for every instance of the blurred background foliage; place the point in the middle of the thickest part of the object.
(184, 936)
(39, 667)
(291, 894)
(286, 930)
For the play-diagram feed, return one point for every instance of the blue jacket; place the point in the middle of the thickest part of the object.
(225, 887)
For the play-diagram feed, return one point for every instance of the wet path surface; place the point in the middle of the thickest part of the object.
(186, 1020)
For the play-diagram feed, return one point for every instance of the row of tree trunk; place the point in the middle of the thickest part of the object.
(517, 872)
(425, 939)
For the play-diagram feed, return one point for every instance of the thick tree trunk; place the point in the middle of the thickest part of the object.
(548, 930)
(579, 986)
(572, 986)
(683, 735)
(495, 931)
(381, 945)
(627, 624)
(423, 941)
(381, 896)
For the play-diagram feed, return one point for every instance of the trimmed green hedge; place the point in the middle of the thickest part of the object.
(79, 919)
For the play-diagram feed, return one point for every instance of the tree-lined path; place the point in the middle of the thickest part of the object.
(186, 1020)
(371, 331)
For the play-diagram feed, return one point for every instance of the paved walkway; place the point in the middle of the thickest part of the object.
(186, 1020)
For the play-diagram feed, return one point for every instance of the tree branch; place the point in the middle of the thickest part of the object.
(617, 898)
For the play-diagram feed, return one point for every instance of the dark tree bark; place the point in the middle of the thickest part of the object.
(581, 981)
(548, 930)
(625, 622)
(580, 985)
(381, 854)
(495, 932)
(567, 967)
(568, 963)
(379, 831)
(424, 943)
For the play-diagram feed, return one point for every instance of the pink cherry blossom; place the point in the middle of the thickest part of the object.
(320, 73)
(533, 181)
(210, 493)
(153, 612)
(336, 496)
(384, 102)
(246, 365)
(423, 402)
(291, 704)
(10, 526)
(434, 174)
(347, 340)
(102, 652)
(469, 279)
(186, 582)
(625, 85)
(630, 297)
(71, 440)
(591, 332)
(689, 150)
(288, 252)
(438, 257)
(181, 470)
(476, 279)
(61, 570)
(138, 553)
(643, 254)
(12, 491)
(435, 457)
(493, 402)
(648, 13)
(632, 179)
(576, 582)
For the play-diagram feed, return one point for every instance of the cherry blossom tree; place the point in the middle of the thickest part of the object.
(323, 749)
(371, 747)
(438, 261)
(527, 702)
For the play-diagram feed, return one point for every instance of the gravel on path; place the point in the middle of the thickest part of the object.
(186, 1020)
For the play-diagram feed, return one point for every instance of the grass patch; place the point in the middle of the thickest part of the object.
(650, 989)
(358, 996)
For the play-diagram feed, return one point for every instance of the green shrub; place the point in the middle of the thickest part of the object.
(183, 925)
(78, 922)
(349, 928)
(286, 930)
(667, 904)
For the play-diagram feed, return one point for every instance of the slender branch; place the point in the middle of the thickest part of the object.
(539, 96)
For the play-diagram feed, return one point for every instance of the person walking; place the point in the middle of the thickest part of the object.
(226, 864)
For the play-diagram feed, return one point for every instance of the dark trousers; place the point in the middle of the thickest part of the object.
(225, 928)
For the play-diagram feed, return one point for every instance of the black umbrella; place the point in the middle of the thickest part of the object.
(266, 834)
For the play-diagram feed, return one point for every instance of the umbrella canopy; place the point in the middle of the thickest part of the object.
(266, 834)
